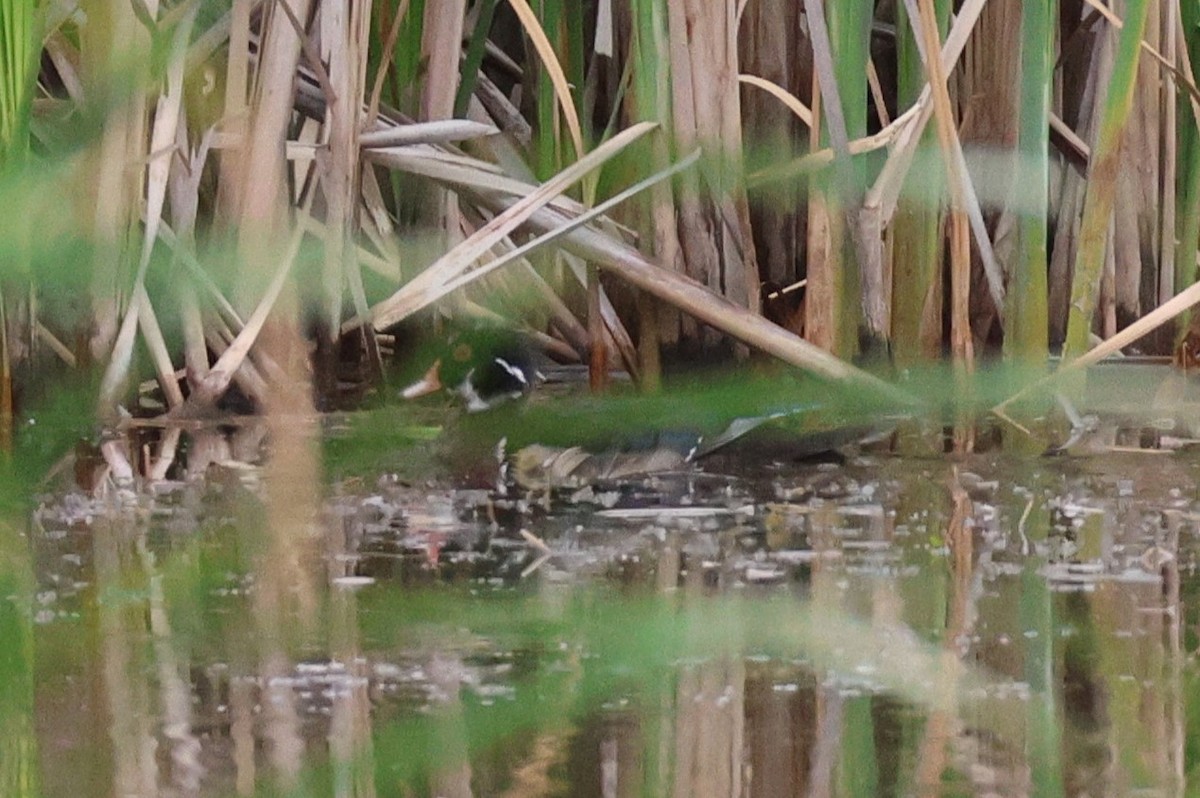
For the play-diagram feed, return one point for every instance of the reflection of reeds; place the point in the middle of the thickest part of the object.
(185, 769)
(121, 628)
(286, 590)
(943, 727)
(709, 721)
(19, 767)
(351, 752)
(909, 640)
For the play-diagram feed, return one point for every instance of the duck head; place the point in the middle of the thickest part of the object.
(483, 368)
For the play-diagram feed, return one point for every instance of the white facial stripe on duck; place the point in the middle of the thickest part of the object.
(516, 372)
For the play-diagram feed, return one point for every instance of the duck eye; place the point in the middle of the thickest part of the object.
(462, 353)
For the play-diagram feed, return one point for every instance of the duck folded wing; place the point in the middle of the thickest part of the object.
(538, 467)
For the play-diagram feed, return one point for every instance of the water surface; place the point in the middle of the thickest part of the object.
(994, 625)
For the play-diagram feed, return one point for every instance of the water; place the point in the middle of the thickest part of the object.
(996, 625)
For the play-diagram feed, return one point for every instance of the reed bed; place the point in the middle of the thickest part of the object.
(830, 183)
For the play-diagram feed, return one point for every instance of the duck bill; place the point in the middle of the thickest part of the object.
(429, 383)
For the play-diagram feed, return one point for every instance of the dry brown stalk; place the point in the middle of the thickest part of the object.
(960, 256)
(236, 113)
(790, 101)
(113, 40)
(713, 215)
(774, 49)
(139, 310)
(345, 34)
(694, 298)
(430, 284)
(882, 196)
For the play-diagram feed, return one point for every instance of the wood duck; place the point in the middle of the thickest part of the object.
(581, 439)
(483, 367)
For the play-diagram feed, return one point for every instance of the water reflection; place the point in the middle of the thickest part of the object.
(882, 627)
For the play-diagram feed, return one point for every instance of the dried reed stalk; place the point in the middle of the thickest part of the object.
(713, 216)
(345, 36)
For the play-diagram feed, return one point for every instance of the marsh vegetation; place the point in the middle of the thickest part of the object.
(234, 561)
